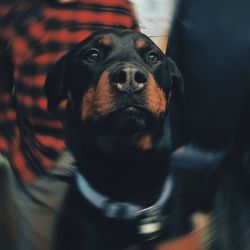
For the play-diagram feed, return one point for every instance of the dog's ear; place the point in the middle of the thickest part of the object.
(177, 83)
(173, 128)
(55, 84)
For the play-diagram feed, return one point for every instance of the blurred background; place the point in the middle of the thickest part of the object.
(155, 19)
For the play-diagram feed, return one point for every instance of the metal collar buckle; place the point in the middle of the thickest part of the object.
(150, 223)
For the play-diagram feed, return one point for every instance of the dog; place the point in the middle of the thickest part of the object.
(122, 121)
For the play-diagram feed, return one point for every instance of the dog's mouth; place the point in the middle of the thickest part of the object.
(131, 120)
(125, 121)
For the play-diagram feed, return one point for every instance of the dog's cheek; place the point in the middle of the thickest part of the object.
(98, 100)
(156, 99)
(104, 103)
(86, 109)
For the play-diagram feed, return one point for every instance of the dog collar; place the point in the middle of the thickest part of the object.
(150, 219)
(121, 210)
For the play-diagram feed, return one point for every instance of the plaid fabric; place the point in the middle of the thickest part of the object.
(33, 36)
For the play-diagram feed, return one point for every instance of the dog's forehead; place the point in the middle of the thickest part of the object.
(132, 39)
(119, 39)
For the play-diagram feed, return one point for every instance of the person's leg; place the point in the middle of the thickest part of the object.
(8, 220)
(28, 212)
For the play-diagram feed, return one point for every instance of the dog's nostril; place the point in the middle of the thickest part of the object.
(140, 77)
(119, 77)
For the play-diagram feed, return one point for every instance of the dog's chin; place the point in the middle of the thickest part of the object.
(121, 129)
(130, 121)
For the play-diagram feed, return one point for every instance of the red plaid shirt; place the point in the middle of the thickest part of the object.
(34, 35)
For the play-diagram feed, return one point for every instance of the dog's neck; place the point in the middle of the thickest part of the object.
(127, 175)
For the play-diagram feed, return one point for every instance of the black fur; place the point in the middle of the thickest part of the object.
(105, 144)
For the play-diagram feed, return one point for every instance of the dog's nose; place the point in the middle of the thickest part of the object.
(129, 79)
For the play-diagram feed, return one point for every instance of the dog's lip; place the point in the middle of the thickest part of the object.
(132, 108)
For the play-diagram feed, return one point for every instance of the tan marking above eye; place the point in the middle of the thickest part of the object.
(155, 97)
(99, 100)
(141, 44)
(105, 40)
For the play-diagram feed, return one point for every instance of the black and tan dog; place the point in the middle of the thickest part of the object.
(121, 124)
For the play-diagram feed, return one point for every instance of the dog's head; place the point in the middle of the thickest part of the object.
(119, 84)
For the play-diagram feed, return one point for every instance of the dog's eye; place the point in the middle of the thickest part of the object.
(152, 58)
(92, 56)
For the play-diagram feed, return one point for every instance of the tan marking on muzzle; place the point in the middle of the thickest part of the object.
(97, 101)
(145, 142)
(155, 97)
(87, 104)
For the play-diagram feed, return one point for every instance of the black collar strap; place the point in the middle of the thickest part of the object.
(122, 210)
